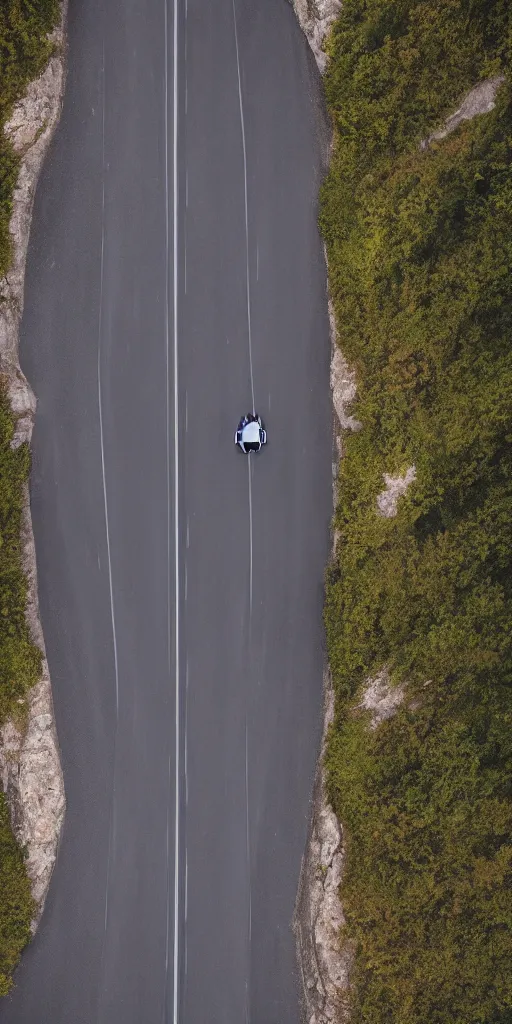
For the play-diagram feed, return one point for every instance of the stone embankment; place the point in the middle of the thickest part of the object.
(315, 19)
(30, 768)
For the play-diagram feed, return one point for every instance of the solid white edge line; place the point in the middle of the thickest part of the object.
(176, 519)
(168, 472)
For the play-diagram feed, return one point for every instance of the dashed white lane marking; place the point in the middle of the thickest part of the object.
(247, 824)
(185, 260)
(186, 733)
(186, 57)
(186, 888)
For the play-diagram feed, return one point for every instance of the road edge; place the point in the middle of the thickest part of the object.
(30, 767)
(324, 963)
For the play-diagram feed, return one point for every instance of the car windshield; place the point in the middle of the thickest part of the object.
(252, 446)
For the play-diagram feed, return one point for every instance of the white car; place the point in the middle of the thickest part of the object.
(250, 435)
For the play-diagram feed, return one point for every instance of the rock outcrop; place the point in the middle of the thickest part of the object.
(479, 100)
(315, 18)
(396, 486)
(380, 698)
(30, 768)
(324, 964)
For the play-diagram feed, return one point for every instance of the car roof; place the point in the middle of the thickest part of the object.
(251, 432)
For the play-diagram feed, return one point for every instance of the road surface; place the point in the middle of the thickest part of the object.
(175, 271)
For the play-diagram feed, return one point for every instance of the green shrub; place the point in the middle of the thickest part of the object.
(420, 257)
(16, 903)
(20, 660)
(20, 665)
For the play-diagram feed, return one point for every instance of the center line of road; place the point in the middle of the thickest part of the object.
(176, 573)
(249, 331)
(247, 282)
(105, 504)
(250, 537)
(176, 516)
(100, 400)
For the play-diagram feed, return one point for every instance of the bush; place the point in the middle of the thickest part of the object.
(420, 257)
(20, 660)
(16, 904)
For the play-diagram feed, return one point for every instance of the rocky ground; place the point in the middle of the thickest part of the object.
(315, 19)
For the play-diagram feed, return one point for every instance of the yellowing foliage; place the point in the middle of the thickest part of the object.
(420, 258)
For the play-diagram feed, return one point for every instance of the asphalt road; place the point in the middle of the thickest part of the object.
(180, 583)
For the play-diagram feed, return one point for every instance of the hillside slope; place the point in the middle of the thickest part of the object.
(419, 240)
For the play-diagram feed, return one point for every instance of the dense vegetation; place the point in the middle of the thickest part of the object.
(20, 661)
(24, 50)
(19, 669)
(420, 251)
(16, 904)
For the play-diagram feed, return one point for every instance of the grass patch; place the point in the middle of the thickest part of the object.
(24, 52)
(420, 255)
